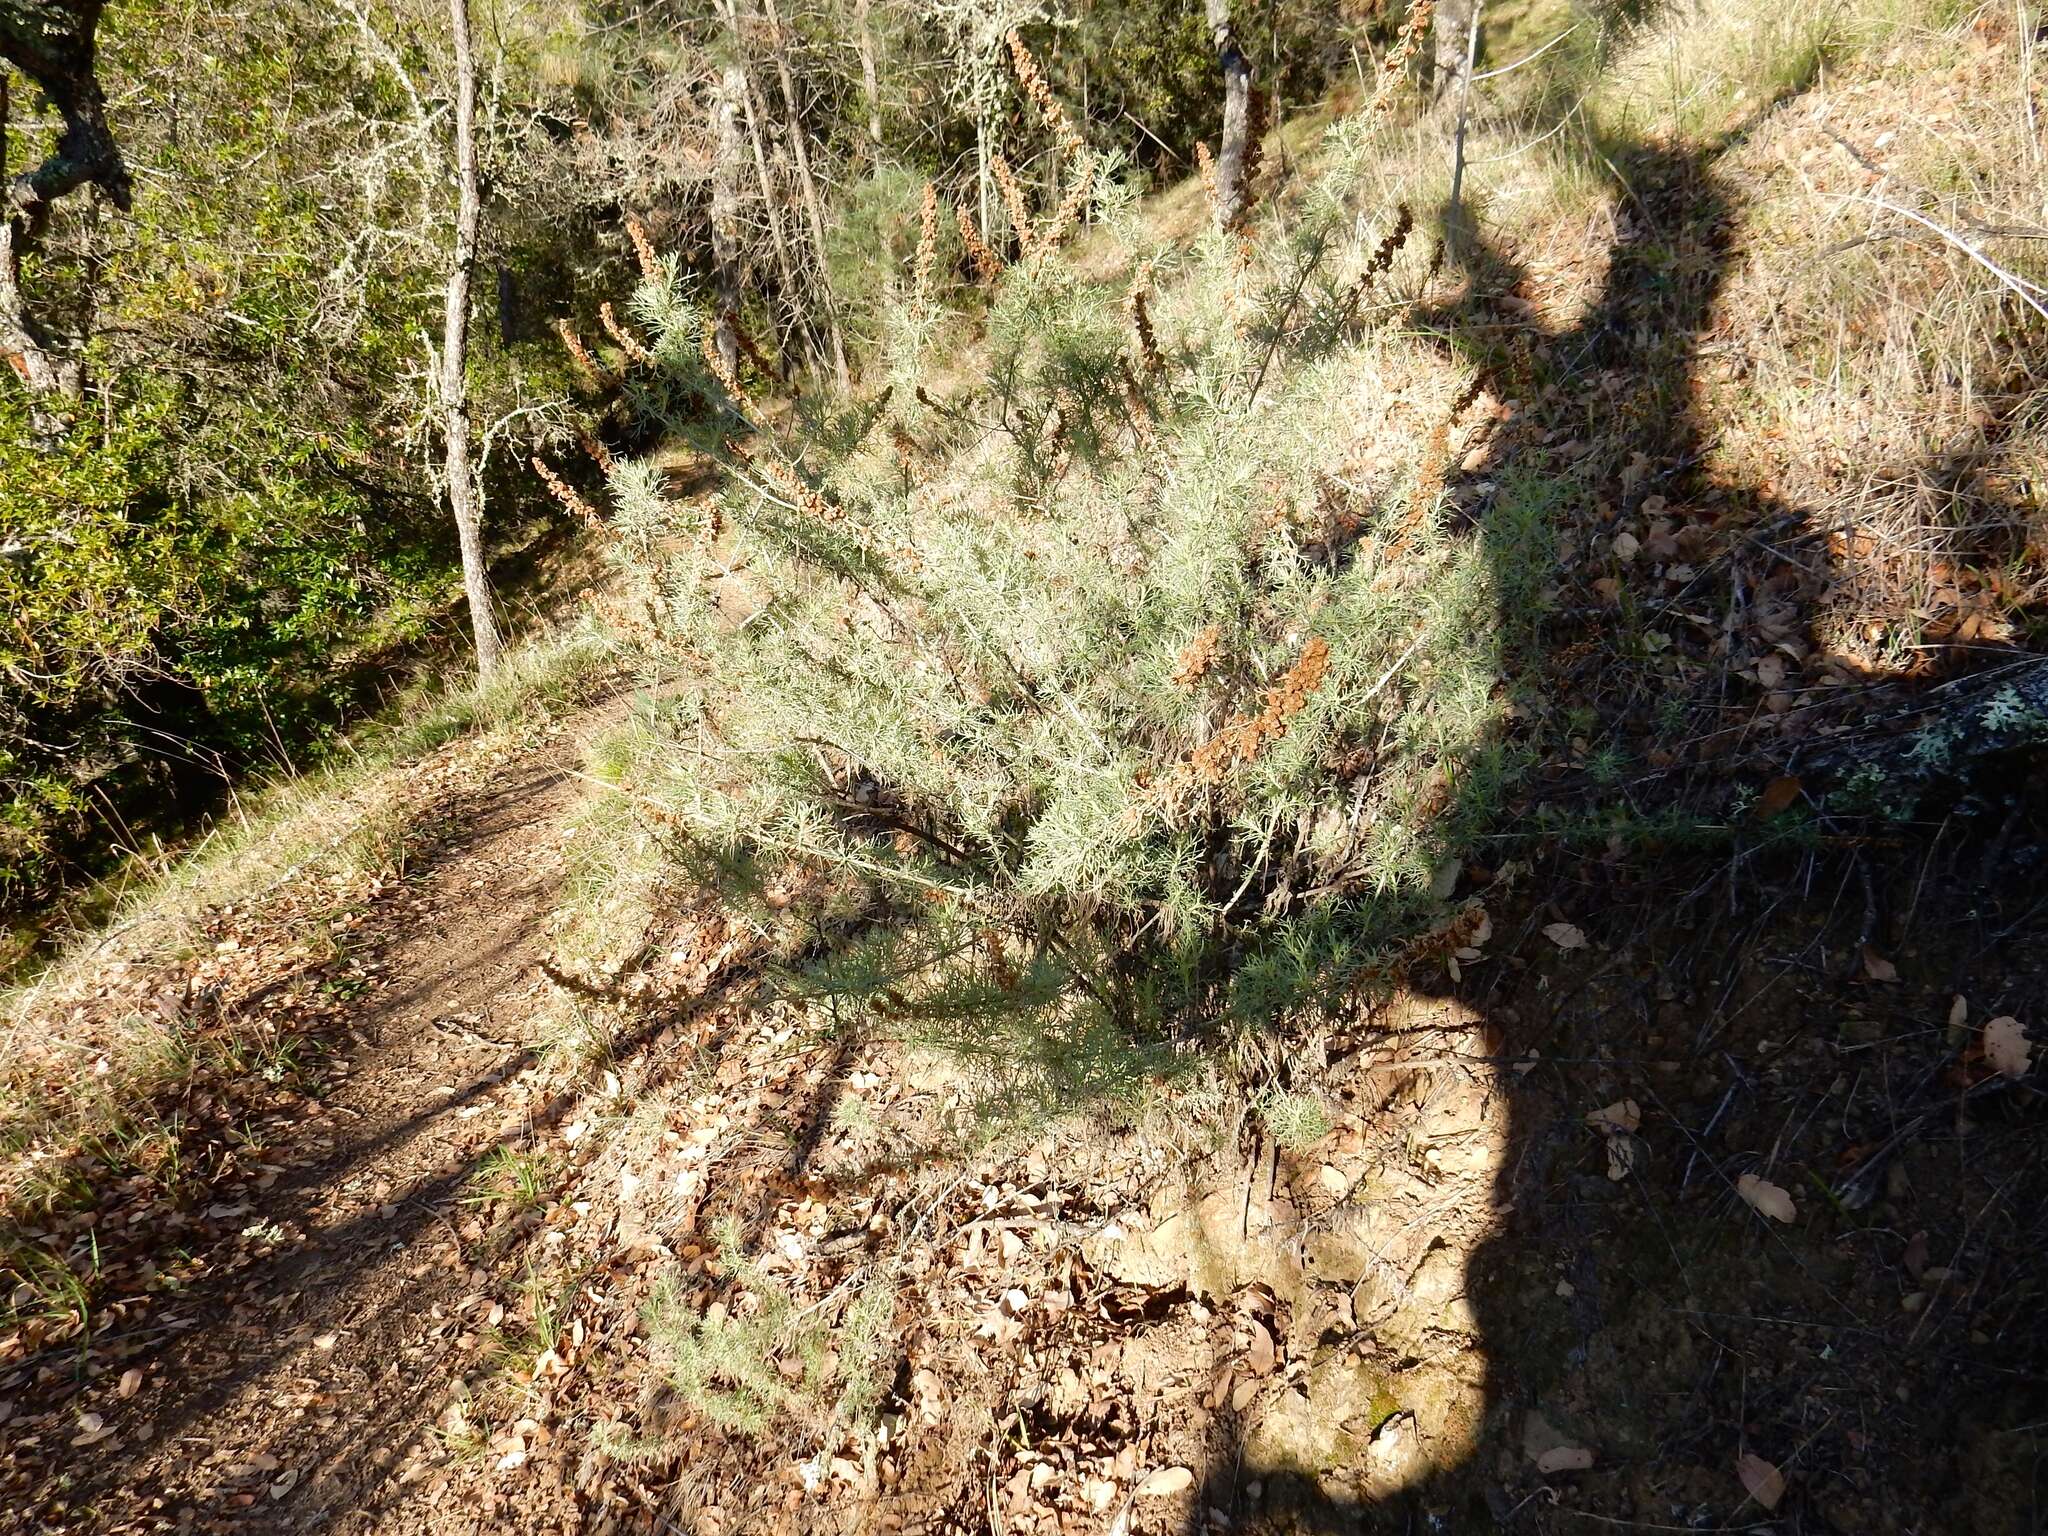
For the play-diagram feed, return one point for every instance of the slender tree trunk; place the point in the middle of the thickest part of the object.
(813, 205)
(1237, 102)
(455, 354)
(1450, 43)
(981, 168)
(55, 44)
(1454, 222)
(771, 206)
(725, 212)
(864, 26)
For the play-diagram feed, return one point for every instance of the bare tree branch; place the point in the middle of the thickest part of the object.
(54, 43)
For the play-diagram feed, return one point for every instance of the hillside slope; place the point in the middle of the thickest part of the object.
(1377, 871)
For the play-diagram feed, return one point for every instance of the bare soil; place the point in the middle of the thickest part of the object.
(268, 1348)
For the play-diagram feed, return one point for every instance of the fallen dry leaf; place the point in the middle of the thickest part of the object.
(1621, 1115)
(1624, 1153)
(131, 1381)
(1876, 967)
(1565, 935)
(2006, 1046)
(1766, 1484)
(1767, 1198)
(1564, 1458)
(1778, 796)
(1259, 1354)
(1165, 1481)
(1915, 1257)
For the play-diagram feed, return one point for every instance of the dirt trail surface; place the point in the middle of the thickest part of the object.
(287, 1347)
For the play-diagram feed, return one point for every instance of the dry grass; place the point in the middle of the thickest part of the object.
(1888, 379)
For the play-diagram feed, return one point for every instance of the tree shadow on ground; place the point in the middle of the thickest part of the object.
(371, 1294)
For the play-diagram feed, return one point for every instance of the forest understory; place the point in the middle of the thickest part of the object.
(1345, 836)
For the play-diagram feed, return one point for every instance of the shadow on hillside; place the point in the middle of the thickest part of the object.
(1624, 379)
(378, 1290)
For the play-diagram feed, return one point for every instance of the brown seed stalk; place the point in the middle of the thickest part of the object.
(714, 359)
(593, 445)
(1034, 85)
(643, 248)
(987, 265)
(1243, 739)
(1401, 57)
(927, 243)
(1013, 199)
(1135, 301)
(593, 372)
(628, 342)
(565, 493)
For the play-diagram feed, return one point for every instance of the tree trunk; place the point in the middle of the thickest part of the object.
(1449, 43)
(54, 43)
(813, 205)
(1237, 102)
(455, 354)
(725, 213)
(865, 27)
(771, 206)
(1454, 219)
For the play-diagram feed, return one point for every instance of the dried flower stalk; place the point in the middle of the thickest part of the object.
(805, 497)
(643, 248)
(1141, 319)
(987, 265)
(1242, 740)
(565, 493)
(714, 359)
(1034, 85)
(593, 445)
(1198, 656)
(628, 342)
(1382, 258)
(1258, 118)
(593, 372)
(908, 454)
(1401, 57)
(1013, 199)
(927, 243)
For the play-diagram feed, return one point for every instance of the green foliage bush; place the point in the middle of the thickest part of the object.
(997, 724)
(238, 521)
(727, 1361)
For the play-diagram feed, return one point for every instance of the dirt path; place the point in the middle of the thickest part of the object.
(308, 1347)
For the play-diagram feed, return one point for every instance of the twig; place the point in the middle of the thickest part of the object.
(2026, 42)
(2021, 288)
(1451, 222)
(1527, 58)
